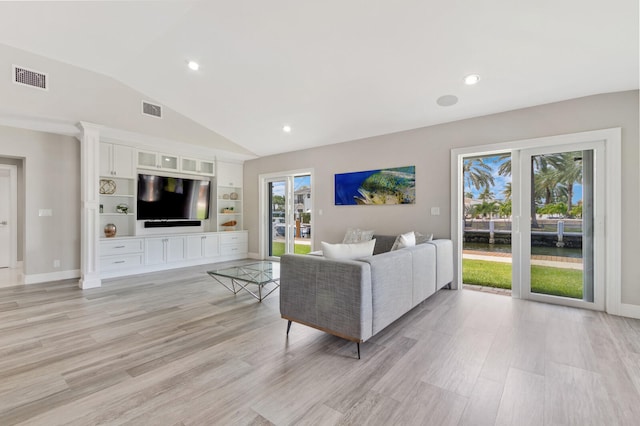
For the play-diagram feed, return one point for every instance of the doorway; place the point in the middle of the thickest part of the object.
(8, 216)
(286, 210)
(564, 190)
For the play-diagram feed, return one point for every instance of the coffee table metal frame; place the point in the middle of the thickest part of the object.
(242, 276)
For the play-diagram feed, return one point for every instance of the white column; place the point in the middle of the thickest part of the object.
(90, 222)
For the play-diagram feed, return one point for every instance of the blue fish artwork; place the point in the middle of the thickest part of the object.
(376, 187)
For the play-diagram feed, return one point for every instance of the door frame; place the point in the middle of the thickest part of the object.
(13, 213)
(263, 216)
(612, 139)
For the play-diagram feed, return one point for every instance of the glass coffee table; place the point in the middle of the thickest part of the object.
(244, 277)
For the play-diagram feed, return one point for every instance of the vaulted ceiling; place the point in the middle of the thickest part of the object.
(337, 70)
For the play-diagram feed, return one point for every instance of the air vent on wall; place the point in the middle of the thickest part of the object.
(151, 109)
(31, 78)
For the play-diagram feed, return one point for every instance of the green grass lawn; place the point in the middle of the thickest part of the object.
(278, 249)
(546, 280)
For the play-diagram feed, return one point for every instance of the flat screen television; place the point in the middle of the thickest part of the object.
(163, 197)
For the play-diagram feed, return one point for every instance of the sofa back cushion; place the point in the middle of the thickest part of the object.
(383, 243)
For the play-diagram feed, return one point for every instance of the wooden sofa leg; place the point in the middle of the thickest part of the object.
(288, 327)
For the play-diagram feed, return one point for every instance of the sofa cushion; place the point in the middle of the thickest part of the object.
(348, 251)
(422, 238)
(357, 235)
(404, 240)
(383, 243)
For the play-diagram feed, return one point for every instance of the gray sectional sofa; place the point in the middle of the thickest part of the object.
(355, 299)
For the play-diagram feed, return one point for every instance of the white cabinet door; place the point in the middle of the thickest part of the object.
(210, 246)
(229, 174)
(194, 246)
(154, 251)
(206, 168)
(174, 249)
(147, 160)
(122, 161)
(105, 159)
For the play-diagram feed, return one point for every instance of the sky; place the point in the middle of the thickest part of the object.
(502, 181)
(298, 182)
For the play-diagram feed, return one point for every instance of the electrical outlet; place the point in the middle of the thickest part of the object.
(56, 263)
(435, 211)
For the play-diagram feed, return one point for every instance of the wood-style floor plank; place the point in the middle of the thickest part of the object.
(176, 348)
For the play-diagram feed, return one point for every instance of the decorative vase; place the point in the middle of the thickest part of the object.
(110, 230)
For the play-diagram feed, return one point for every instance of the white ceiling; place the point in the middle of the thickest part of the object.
(337, 70)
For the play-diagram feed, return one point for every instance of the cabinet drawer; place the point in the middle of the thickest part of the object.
(108, 248)
(233, 249)
(234, 238)
(112, 263)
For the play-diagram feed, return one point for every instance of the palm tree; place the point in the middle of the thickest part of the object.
(507, 191)
(477, 173)
(487, 208)
(568, 171)
(486, 195)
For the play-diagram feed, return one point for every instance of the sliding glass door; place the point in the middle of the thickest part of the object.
(562, 231)
(288, 220)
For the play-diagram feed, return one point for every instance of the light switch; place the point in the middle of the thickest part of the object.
(435, 211)
(45, 212)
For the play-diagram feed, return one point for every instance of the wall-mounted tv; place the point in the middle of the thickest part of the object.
(163, 197)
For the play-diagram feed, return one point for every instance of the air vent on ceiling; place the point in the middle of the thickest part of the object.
(31, 78)
(151, 109)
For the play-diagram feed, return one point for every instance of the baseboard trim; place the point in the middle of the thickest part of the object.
(254, 256)
(631, 311)
(51, 276)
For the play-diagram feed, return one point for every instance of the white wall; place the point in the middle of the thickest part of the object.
(51, 181)
(79, 95)
(429, 150)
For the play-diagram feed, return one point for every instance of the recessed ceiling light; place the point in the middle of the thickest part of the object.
(447, 100)
(286, 129)
(471, 79)
(193, 65)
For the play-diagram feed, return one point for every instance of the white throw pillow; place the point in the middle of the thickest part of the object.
(348, 251)
(404, 240)
(421, 238)
(357, 235)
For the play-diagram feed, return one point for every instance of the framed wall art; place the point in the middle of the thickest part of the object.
(375, 187)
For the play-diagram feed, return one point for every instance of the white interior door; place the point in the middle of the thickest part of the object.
(5, 220)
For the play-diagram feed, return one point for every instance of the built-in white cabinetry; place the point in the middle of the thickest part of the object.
(121, 253)
(199, 246)
(131, 255)
(229, 208)
(201, 167)
(166, 249)
(233, 243)
(229, 203)
(229, 174)
(117, 188)
(175, 163)
(116, 161)
(158, 161)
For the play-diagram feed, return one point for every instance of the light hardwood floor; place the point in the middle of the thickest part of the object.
(176, 348)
